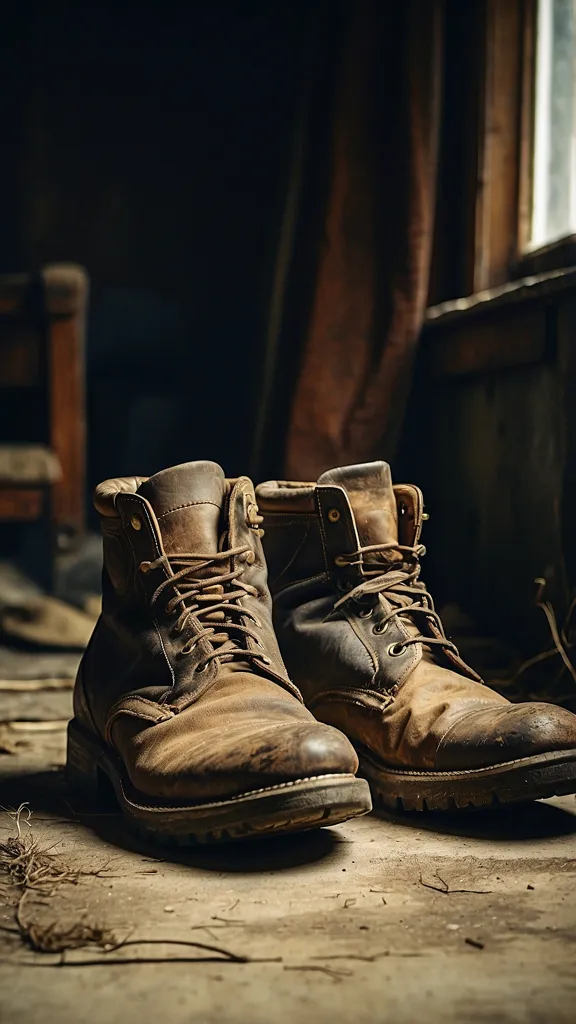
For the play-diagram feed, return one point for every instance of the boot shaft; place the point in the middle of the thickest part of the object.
(188, 508)
(185, 593)
(308, 527)
(349, 607)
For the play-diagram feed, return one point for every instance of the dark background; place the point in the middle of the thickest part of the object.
(156, 147)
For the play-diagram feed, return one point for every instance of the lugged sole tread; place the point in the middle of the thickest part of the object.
(522, 781)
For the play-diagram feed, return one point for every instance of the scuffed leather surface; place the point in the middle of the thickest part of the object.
(406, 730)
(489, 735)
(325, 648)
(244, 734)
(425, 710)
(106, 492)
(293, 549)
(186, 522)
(374, 523)
(185, 734)
(296, 496)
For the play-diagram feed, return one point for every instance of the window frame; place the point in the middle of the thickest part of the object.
(561, 252)
(506, 125)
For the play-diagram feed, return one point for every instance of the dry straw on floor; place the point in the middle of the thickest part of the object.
(30, 869)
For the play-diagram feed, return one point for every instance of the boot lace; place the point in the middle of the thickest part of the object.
(397, 583)
(210, 599)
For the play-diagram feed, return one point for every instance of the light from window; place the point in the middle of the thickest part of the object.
(554, 168)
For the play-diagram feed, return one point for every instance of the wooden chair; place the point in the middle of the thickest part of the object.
(42, 406)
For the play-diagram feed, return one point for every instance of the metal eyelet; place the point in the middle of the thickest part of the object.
(344, 586)
(265, 659)
(365, 613)
(333, 515)
(201, 667)
(135, 522)
(340, 561)
(145, 566)
(379, 628)
(396, 650)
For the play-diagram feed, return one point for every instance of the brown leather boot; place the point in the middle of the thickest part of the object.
(182, 699)
(361, 639)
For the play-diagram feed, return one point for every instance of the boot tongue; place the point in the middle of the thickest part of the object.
(188, 503)
(371, 494)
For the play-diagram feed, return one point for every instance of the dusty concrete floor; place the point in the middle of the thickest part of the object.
(338, 925)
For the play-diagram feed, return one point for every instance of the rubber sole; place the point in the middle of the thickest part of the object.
(514, 782)
(288, 807)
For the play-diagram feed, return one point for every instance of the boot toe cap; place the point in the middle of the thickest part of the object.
(323, 750)
(495, 735)
(169, 763)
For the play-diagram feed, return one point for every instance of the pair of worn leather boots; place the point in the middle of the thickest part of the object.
(183, 701)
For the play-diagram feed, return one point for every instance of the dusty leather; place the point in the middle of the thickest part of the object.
(187, 723)
(422, 709)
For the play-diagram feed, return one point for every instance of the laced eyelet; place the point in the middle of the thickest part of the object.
(379, 628)
(145, 566)
(396, 650)
(340, 561)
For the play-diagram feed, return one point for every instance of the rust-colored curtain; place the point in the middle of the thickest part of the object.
(373, 272)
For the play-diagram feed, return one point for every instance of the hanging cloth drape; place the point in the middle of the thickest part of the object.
(373, 271)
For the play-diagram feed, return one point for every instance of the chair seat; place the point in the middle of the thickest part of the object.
(29, 465)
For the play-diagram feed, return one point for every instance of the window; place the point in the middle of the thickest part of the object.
(510, 184)
(554, 142)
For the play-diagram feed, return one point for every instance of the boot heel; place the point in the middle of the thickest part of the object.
(82, 772)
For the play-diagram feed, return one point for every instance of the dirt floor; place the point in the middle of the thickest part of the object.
(464, 919)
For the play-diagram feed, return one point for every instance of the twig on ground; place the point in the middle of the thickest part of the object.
(330, 971)
(353, 956)
(445, 889)
(185, 942)
(105, 961)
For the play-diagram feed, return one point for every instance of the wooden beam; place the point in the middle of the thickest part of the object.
(497, 192)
